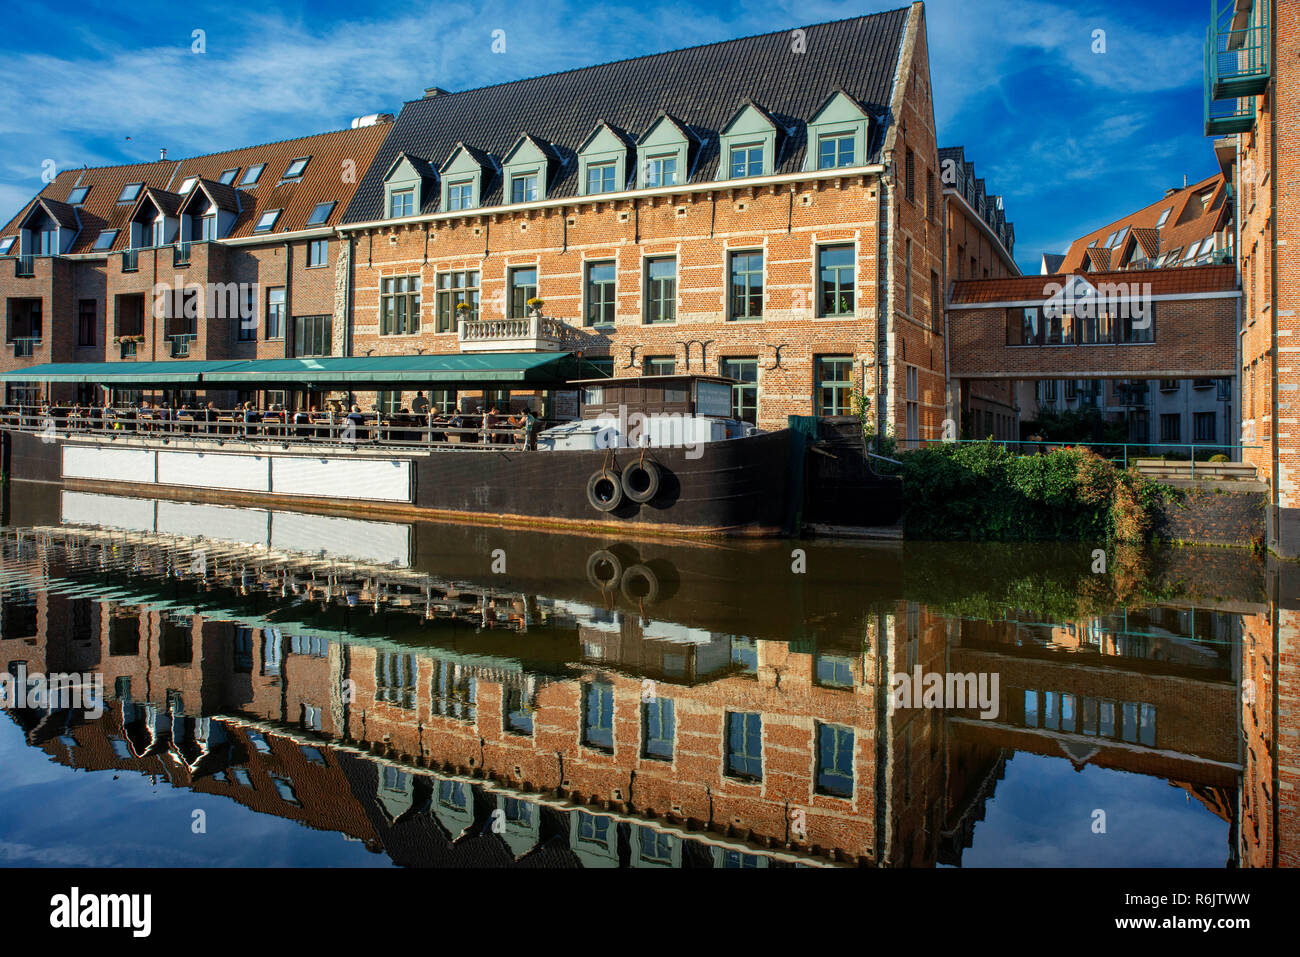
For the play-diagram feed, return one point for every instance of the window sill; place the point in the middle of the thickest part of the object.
(317, 266)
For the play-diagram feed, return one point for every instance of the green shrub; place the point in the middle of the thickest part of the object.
(982, 491)
(1219, 458)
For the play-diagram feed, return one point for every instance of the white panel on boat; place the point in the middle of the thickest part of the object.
(108, 465)
(381, 480)
(107, 511)
(671, 631)
(220, 522)
(382, 543)
(240, 473)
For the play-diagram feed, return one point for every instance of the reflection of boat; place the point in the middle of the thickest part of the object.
(653, 454)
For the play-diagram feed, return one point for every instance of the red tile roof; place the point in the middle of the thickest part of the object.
(1164, 282)
(338, 161)
(1196, 213)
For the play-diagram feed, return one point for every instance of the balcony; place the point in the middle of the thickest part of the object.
(1238, 64)
(130, 260)
(530, 334)
(181, 254)
(181, 344)
(25, 346)
(25, 266)
(130, 347)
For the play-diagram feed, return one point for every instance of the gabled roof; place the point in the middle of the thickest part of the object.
(101, 209)
(169, 204)
(64, 216)
(482, 157)
(703, 86)
(421, 166)
(1098, 259)
(627, 138)
(220, 195)
(543, 147)
(1188, 221)
(322, 182)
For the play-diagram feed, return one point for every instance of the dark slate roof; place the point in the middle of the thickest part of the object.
(169, 203)
(62, 213)
(226, 197)
(702, 86)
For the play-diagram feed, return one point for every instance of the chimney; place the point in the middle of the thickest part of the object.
(162, 153)
(432, 91)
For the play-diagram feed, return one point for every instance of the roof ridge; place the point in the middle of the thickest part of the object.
(289, 139)
(649, 56)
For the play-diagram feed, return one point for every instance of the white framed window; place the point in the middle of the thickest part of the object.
(297, 167)
(252, 175)
(266, 221)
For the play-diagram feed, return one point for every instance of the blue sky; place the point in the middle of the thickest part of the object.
(1073, 139)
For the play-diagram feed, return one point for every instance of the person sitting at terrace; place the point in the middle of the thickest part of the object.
(420, 404)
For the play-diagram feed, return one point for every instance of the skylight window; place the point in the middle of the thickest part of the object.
(1120, 237)
(252, 175)
(188, 185)
(129, 192)
(266, 221)
(320, 214)
(228, 176)
(1164, 217)
(6, 244)
(78, 195)
(1191, 251)
(296, 167)
(105, 239)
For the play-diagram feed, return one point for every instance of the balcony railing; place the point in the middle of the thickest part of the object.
(130, 348)
(25, 265)
(25, 346)
(1238, 64)
(130, 260)
(535, 333)
(180, 344)
(181, 254)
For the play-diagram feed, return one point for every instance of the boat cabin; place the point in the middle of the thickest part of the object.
(685, 395)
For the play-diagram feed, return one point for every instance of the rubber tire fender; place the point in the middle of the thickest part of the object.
(653, 479)
(616, 493)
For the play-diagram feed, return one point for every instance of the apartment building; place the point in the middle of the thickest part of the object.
(764, 208)
(1251, 87)
(227, 256)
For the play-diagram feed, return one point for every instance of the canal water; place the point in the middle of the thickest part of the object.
(252, 687)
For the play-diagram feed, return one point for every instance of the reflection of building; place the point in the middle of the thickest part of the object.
(621, 739)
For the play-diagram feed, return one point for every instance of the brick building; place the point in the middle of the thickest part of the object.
(1251, 100)
(245, 238)
(980, 245)
(764, 208)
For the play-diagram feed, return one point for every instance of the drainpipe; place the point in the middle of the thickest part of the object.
(886, 294)
(347, 295)
(1240, 391)
(1276, 503)
(943, 301)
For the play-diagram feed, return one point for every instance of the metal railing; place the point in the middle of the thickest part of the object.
(25, 346)
(130, 260)
(25, 266)
(458, 432)
(181, 254)
(1120, 453)
(181, 343)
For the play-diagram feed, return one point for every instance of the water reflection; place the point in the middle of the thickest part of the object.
(457, 695)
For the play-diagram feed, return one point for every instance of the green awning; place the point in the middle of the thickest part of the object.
(538, 368)
(523, 369)
(120, 374)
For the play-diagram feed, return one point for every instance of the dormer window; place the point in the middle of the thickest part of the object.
(661, 171)
(228, 176)
(187, 185)
(460, 195)
(523, 189)
(78, 195)
(401, 203)
(320, 214)
(252, 175)
(6, 244)
(105, 239)
(748, 143)
(266, 221)
(296, 168)
(603, 160)
(130, 192)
